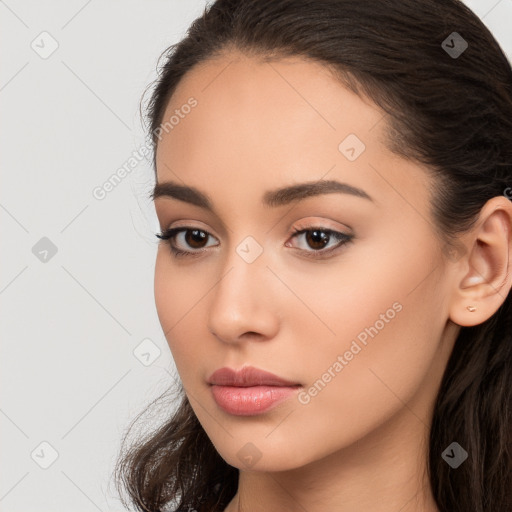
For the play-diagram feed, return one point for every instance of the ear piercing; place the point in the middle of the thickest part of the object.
(471, 308)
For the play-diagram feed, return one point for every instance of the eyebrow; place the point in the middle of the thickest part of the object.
(271, 198)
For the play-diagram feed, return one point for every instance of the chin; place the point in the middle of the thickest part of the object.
(261, 455)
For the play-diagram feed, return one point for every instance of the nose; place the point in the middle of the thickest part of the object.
(243, 304)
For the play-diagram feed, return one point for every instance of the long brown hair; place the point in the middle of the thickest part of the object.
(448, 107)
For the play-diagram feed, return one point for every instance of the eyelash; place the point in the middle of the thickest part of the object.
(168, 235)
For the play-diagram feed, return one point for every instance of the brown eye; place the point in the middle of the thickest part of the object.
(192, 238)
(195, 237)
(317, 239)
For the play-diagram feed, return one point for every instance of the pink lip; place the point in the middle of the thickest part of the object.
(247, 376)
(249, 391)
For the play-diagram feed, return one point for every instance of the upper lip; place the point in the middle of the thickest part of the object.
(247, 376)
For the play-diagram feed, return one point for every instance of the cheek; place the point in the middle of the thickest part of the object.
(172, 298)
(178, 299)
(165, 291)
(178, 290)
(347, 399)
(375, 294)
(385, 328)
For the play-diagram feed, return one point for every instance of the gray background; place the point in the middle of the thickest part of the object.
(82, 348)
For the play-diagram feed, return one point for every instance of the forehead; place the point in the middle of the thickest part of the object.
(273, 123)
(264, 104)
(234, 88)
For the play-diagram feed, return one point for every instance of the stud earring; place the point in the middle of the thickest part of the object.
(471, 308)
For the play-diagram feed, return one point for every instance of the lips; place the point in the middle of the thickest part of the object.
(249, 391)
(246, 377)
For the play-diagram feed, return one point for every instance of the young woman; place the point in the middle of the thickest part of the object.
(333, 185)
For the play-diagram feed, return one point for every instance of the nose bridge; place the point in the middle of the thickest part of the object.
(241, 301)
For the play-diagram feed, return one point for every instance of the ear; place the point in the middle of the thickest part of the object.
(484, 273)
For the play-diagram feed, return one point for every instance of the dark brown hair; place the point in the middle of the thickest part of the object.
(450, 112)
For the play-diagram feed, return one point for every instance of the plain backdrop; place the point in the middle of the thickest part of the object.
(82, 350)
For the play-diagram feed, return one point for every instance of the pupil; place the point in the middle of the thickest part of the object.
(201, 235)
(323, 239)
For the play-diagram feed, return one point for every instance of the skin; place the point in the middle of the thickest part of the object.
(361, 442)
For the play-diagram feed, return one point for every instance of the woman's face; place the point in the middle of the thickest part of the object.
(360, 323)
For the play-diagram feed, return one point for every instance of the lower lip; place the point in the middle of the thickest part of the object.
(248, 401)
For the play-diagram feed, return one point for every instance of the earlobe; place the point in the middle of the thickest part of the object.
(486, 276)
